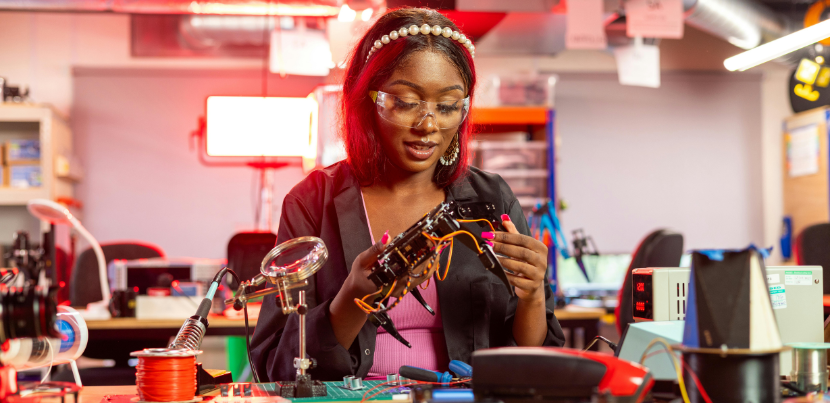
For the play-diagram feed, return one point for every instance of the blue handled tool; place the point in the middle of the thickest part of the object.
(461, 368)
(420, 374)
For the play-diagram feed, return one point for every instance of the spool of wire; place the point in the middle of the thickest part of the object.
(166, 375)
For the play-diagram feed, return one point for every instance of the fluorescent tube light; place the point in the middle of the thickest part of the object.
(778, 47)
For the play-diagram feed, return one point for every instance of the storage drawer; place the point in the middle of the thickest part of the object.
(499, 155)
(526, 182)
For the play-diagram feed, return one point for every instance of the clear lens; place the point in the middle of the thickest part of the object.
(414, 113)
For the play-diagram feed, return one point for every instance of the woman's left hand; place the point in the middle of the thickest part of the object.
(528, 260)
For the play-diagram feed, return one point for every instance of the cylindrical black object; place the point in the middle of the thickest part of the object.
(739, 378)
(27, 312)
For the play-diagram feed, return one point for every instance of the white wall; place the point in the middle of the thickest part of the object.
(686, 156)
(143, 180)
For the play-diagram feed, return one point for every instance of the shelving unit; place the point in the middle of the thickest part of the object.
(539, 122)
(35, 122)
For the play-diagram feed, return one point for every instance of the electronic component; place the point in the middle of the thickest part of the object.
(351, 382)
(420, 242)
(796, 292)
(556, 374)
(146, 273)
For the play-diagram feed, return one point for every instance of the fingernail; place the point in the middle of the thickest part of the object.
(505, 217)
(385, 237)
(488, 243)
(488, 235)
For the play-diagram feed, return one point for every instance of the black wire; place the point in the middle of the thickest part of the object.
(248, 343)
(218, 277)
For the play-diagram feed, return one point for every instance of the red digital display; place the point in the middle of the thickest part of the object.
(641, 306)
(641, 287)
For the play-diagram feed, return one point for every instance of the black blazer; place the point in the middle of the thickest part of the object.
(476, 308)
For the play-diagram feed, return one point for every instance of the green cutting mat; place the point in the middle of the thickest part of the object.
(337, 394)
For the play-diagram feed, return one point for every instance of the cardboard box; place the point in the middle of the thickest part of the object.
(22, 152)
(25, 176)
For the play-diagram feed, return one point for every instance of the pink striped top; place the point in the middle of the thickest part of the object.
(424, 331)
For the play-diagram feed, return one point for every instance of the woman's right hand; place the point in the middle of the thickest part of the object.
(358, 284)
(346, 317)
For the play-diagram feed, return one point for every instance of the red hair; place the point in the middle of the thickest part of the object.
(358, 113)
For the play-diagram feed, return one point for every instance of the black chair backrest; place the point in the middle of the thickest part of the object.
(246, 251)
(813, 248)
(661, 248)
(85, 286)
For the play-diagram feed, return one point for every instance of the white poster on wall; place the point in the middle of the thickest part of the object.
(803, 151)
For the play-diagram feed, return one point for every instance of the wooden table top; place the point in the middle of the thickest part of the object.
(94, 394)
(567, 313)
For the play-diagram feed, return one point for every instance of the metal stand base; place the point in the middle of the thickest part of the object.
(303, 387)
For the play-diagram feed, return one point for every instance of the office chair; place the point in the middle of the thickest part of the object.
(246, 251)
(661, 248)
(812, 247)
(85, 288)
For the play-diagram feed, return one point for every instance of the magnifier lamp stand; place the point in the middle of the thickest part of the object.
(305, 386)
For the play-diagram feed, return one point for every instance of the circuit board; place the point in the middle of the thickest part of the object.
(337, 394)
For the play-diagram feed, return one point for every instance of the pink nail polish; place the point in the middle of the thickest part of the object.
(488, 235)
(385, 237)
(505, 217)
(489, 243)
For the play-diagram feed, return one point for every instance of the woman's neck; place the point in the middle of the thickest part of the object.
(406, 183)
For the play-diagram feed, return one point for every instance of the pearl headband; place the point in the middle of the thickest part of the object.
(425, 29)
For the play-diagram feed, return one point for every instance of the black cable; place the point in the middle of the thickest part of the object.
(248, 343)
(218, 277)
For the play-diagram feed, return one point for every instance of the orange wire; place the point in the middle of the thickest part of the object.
(481, 219)
(365, 307)
(166, 379)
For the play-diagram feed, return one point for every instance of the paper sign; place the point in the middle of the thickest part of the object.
(585, 29)
(798, 277)
(773, 278)
(778, 296)
(654, 18)
(638, 64)
(803, 151)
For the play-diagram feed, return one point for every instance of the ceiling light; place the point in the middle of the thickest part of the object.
(366, 15)
(346, 14)
(778, 47)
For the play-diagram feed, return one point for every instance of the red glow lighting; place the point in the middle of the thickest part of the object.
(641, 287)
(135, 289)
(641, 306)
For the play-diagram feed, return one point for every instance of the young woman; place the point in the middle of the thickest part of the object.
(406, 99)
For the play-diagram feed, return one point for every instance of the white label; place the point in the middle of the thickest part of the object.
(585, 29)
(654, 18)
(778, 296)
(798, 277)
(638, 64)
(773, 278)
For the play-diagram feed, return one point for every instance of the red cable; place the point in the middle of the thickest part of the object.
(703, 393)
(166, 379)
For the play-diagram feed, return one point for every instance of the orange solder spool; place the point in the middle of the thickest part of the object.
(166, 375)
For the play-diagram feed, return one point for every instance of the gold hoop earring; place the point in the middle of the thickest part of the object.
(451, 155)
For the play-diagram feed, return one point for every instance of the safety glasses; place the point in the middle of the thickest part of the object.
(409, 112)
